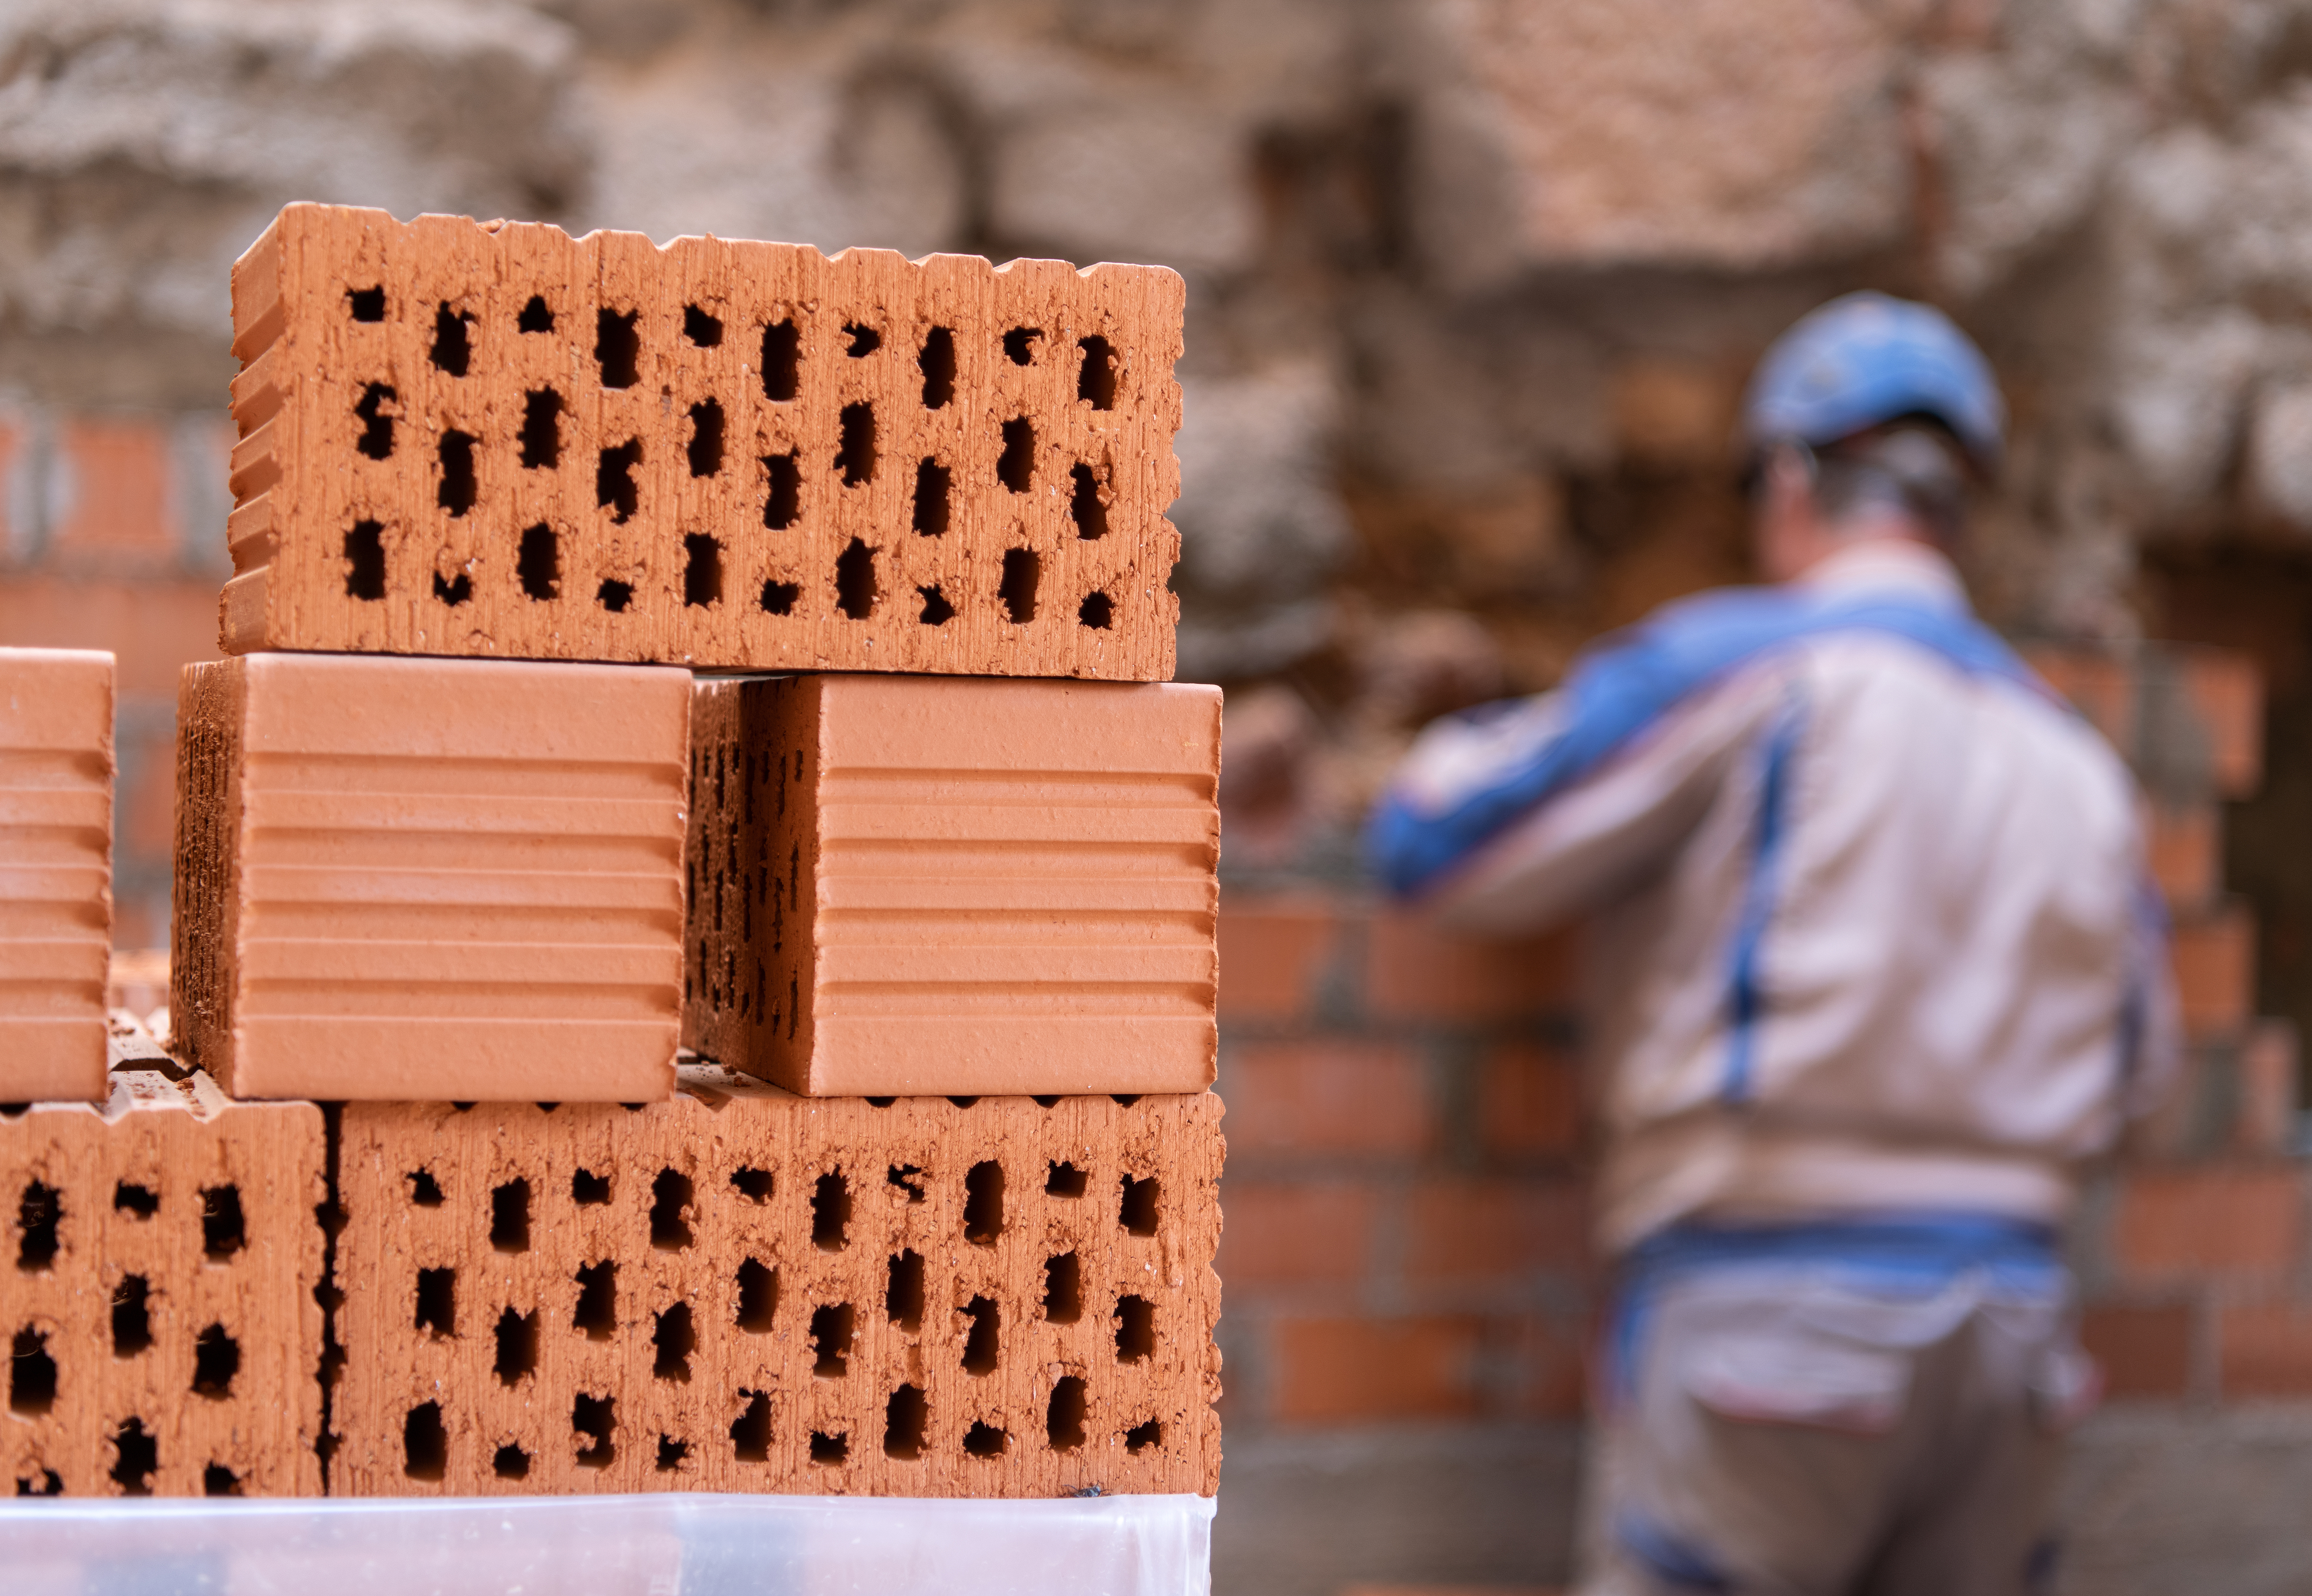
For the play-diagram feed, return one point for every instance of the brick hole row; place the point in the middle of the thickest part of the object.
(40, 1216)
(33, 1381)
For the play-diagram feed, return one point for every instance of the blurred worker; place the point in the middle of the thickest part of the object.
(1877, 969)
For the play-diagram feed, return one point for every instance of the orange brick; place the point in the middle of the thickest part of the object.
(151, 629)
(2191, 1224)
(2100, 688)
(1326, 1095)
(116, 472)
(2269, 1066)
(2186, 845)
(1287, 1233)
(1552, 1371)
(2143, 1351)
(1416, 971)
(1332, 1371)
(2228, 692)
(1272, 952)
(1477, 1229)
(1528, 1101)
(2214, 961)
(2265, 1350)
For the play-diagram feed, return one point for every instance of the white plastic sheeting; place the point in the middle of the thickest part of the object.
(609, 1546)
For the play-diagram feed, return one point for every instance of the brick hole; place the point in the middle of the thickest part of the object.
(450, 592)
(936, 611)
(437, 1300)
(217, 1359)
(1138, 1211)
(702, 569)
(137, 1457)
(587, 1188)
(1097, 611)
(1136, 1329)
(984, 1440)
(907, 1418)
(365, 561)
(547, 1108)
(831, 1326)
(755, 1185)
(1020, 343)
(864, 339)
(31, 1373)
(1062, 1289)
(779, 598)
(1015, 468)
(1088, 502)
(453, 343)
(459, 489)
(48, 1483)
(854, 581)
(1022, 572)
(855, 458)
(368, 304)
(424, 1191)
(618, 347)
(750, 1432)
(510, 1217)
(671, 1195)
(963, 1101)
(596, 1418)
(217, 1480)
(676, 1339)
(706, 438)
(132, 1316)
(829, 1450)
(1063, 1419)
(782, 503)
(902, 1291)
(597, 1312)
(871, 1102)
(933, 482)
(425, 1443)
(1140, 1437)
(981, 1352)
(1046, 1100)
(614, 487)
(1065, 1180)
(535, 317)
(223, 1231)
(541, 429)
(782, 361)
(1124, 1099)
(517, 1346)
(376, 441)
(510, 1462)
(38, 1215)
(671, 1453)
(537, 564)
(759, 1297)
(14, 1111)
(461, 1108)
(983, 1205)
(701, 327)
(1095, 372)
(138, 1202)
(906, 1177)
(615, 595)
(937, 364)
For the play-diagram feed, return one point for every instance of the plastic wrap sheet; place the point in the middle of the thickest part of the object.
(609, 1546)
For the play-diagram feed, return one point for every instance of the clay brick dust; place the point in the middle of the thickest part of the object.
(743, 1290)
(501, 440)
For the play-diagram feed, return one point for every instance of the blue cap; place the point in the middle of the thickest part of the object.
(1864, 359)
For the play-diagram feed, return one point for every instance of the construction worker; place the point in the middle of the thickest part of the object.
(1875, 969)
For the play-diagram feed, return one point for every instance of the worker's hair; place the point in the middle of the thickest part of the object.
(1913, 466)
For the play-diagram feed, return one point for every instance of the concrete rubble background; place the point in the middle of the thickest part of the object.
(1474, 285)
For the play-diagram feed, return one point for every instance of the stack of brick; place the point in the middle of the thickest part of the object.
(466, 853)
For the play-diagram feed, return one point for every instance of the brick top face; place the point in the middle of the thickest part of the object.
(470, 439)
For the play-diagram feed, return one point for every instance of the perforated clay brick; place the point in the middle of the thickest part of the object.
(743, 1290)
(425, 878)
(914, 884)
(498, 439)
(158, 1290)
(55, 872)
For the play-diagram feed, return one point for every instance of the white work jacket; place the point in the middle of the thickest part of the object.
(1872, 934)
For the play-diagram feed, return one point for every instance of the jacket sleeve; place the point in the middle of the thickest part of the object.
(2151, 1030)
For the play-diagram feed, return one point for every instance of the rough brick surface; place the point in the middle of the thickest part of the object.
(1328, 1096)
(418, 878)
(159, 1292)
(55, 871)
(1273, 952)
(2214, 960)
(907, 885)
(1416, 971)
(2225, 1221)
(1336, 1370)
(720, 1271)
(741, 454)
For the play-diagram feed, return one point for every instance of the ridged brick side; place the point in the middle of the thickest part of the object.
(441, 879)
(55, 871)
(501, 440)
(742, 1290)
(159, 1293)
(933, 886)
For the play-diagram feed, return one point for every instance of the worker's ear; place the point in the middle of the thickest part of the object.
(1786, 527)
